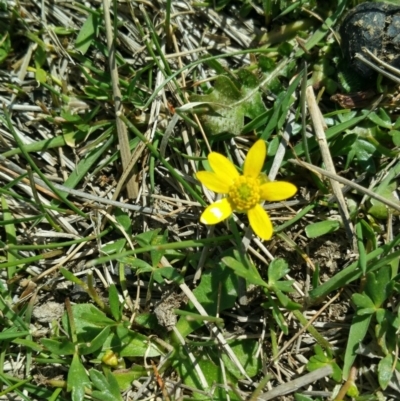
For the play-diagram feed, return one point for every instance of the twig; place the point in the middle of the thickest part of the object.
(338, 178)
(280, 153)
(316, 118)
(123, 140)
(376, 68)
(196, 366)
(382, 63)
(84, 195)
(295, 384)
(214, 329)
(304, 328)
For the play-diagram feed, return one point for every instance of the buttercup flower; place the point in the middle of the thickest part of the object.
(244, 193)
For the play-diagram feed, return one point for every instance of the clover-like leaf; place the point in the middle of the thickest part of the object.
(227, 105)
(385, 371)
(321, 359)
(78, 379)
(107, 386)
(379, 285)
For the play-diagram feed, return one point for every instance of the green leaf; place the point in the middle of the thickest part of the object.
(133, 344)
(387, 188)
(322, 359)
(89, 322)
(5, 45)
(286, 302)
(245, 351)
(114, 302)
(217, 291)
(321, 228)
(145, 239)
(396, 137)
(71, 277)
(41, 75)
(358, 330)
(11, 235)
(59, 347)
(324, 30)
(168, 272)
(378, 209)
(77, 379)
(96, 93)
(157, 255)
(281, 108)
(384, 123)
(114, 247)
(362, 301)
(276, 313)
(369, 235)
(285, 286)
(375, 260)
(28, 344)
(126, 377)
(40, 56)
(352, 391)
(385, 371)
(212, 374)
(260, 121)
(379, 285)
(87, 33)
(277, 269)
(342, 142)
(107, 388)
(138, 264)
(366, 311)
(227, 105)
(385, 116)
(124, 220)
(361, 247)
(251, 276)
(380, 315)
(331, 133)
(363, 152)
(96, 344)
(147, 320)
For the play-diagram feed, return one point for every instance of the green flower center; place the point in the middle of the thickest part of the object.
(245, 193)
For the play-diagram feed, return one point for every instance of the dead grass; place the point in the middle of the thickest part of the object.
(100, 143)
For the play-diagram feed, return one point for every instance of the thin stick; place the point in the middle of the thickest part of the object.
(295, 384)
(304, 328)
(123, 139)
(376, 68)
(196, 366)
(84, 195)
(316, 117)
(214, 329)
(338, 178)
(382, 63)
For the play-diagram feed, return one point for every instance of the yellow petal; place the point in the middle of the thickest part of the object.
(213, 181)
(260, 222)
(216, 212)
(223, 167)
(277, 190)
(255, 159)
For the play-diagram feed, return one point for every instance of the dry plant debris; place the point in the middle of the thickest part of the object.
(111, 288)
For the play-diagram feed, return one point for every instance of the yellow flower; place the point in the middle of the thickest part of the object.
(244, 193)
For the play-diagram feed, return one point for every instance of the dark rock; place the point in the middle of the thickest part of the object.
(375, 26)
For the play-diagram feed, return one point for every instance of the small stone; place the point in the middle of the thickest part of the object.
(164, 310)
(48, 312)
